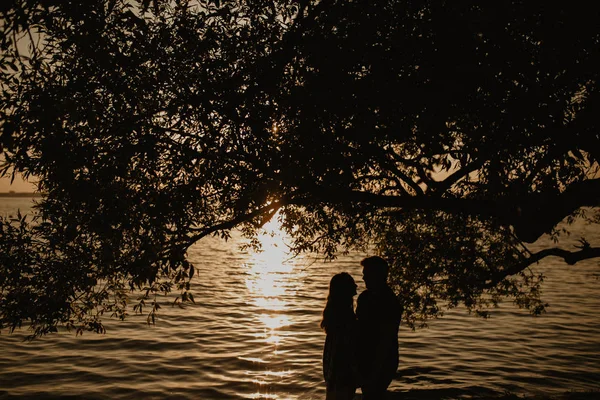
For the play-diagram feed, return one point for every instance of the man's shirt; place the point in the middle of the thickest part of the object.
(379, 314)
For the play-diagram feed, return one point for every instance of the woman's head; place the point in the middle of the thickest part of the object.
(341, 286)
(339, 310)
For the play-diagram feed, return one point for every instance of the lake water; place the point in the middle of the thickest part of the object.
(253, 334)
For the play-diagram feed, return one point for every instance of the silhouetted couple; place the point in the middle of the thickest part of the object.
(361, 350)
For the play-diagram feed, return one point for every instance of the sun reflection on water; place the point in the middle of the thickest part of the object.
(270, 271)
(272, 324)
(272, 280)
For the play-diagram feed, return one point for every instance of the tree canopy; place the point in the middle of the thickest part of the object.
(446, 134)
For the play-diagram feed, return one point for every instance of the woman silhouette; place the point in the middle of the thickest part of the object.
(340, 367)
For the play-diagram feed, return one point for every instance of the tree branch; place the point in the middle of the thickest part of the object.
(237, 220)
(531, 215)
(537, 214)
(570, 257)
(458, 175)
(472, 206)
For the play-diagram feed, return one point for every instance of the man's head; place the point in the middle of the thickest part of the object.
(375, 272)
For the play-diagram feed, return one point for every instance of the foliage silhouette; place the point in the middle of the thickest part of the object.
(446, 134)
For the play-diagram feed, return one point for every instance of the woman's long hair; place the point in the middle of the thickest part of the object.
(339, 310)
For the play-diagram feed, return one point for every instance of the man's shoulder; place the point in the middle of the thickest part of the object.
(365, 295)
(379, 297)
(389, 293)
(385, 298)
(384, 293)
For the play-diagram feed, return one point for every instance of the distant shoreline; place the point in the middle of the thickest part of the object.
(21, 194)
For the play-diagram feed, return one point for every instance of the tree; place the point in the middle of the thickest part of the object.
(446, 134)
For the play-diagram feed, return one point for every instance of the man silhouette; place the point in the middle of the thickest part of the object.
(379, 312)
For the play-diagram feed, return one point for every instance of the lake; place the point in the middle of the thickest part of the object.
(253, 334)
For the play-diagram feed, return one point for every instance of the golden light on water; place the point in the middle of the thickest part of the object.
(269, 269)
(272, 280)
(272, 324)
(269, 280)
(274, 254)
